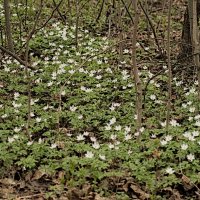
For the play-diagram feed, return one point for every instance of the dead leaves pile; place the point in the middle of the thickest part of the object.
(37, 186)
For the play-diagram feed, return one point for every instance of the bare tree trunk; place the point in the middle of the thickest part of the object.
(186, 43)
(8, 25)
(191, 36)
(194, 30)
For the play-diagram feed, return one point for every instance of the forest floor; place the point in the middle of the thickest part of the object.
(68, 126)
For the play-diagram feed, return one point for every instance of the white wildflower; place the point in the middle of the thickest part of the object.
(113, 137)
(153, 97)
(16, 105)
(141, 129)
(29, 143)
(63, 93)
(112, 121)
(89, 90)
(71, 71)
(118, 128)
(40, 140)
(81, 70)
(102, 157)
(70, 61)
(17, 129)
(80, 117)
(96, 145)
(190, 118)
(108, 127)
(72, 108)
(192, 109)
(112, 108)
(127, 129)
(98, 77)
(86, 133)
(49, 83)
(197, 123)
(163, 124)
(126, 51)
(53, 146)
(46, 107)
(136, 134)
(16, 95)
(89, 154)
(128, 137)
(93, 139)
(190, 157)
(195, 133)
(83, 88)
(11, 139)
(153, 136)
(6, 69)
(38, 119)
(4, 116)
(98, 85)
(197, 117)
(169, 170)
(111, 146)
(99, 62)
(174, 123)
(163, 142)
(184, 146)
(168, 138)
(80, 137)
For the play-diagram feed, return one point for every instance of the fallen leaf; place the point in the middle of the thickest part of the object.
(98, 197)
(8, 181)
(142, 195)
(186, 183)
(37, 175)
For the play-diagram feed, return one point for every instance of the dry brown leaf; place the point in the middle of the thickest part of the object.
(98, 197)
(37, 175)
(63, 198)
(28, 176)
(125, 187)
(143, 195)
(176, 195)
(8, 181)
(60, 144)
(186, 183)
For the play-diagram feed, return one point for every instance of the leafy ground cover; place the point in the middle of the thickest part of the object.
(81, 141)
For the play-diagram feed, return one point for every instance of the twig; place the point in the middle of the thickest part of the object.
(153, 30)
(50, 17)
(101, 9)
(60, 14)
(169, 102)
(147, 84)
(16, 57)
(26, 67)
(129, 14)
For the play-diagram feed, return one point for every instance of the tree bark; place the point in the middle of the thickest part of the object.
(8, 25)
(186, 43)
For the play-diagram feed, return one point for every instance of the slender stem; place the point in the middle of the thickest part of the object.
(169, 67)
(135, 71)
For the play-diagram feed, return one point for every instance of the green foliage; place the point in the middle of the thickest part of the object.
(83, 116)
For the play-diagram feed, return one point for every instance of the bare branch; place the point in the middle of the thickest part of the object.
(151, 25)
(16, 57)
